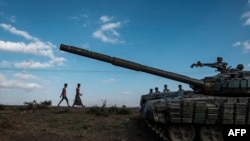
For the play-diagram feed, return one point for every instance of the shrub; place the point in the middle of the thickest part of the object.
(99, 111)
(106, 111)
(34, 105)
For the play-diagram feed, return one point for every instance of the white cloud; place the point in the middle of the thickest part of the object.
(82, 18)
(237, 44)
(246, 16)
(4, 64)
(106, 18)
(34, 46)
(99, 34)
(111, 26)
(108, 31)
(109, 80)
(28, 86)
(247, 22)
(79, 17)
(12, 19)
(126, 93)
(2, 78)
(57, 61)
(17, 32)
(32, 65)
(24, 76)
(10, 84)
(245, 45)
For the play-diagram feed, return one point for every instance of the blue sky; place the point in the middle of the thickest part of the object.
(166, 34)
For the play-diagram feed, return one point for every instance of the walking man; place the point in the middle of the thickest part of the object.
(63, 95)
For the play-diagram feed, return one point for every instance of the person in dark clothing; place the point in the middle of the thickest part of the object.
(180, 90)
(78, 100)
(150, 91)
(157, 90)
(166, 89)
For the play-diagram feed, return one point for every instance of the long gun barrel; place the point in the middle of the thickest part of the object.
(132, 65)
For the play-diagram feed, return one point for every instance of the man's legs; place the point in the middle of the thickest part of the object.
(60, 102)
(67, 100)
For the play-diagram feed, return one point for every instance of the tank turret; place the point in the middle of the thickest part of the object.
(229, 81)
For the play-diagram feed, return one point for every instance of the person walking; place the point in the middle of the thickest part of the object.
(78, 100)
(63, 95)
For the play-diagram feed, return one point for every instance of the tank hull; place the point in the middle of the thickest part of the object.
(196, 111)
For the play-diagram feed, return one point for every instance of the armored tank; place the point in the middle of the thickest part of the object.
(198, 114)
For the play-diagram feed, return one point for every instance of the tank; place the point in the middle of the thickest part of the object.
(202, 113)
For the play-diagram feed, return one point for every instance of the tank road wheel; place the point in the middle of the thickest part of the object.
(181, 132)
(211, 133)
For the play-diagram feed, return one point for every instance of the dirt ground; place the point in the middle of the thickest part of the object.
(72, 124)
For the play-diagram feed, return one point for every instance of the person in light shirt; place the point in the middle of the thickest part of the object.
(63, 95)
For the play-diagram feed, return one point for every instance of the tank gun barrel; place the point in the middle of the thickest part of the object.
(131, 65)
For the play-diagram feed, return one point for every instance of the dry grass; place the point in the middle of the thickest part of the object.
(86, 124)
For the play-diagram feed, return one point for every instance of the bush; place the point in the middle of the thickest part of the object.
(99, 111)
(30, 105)
(45, 104)
(106, 111)
(34, 105)
(120, 111)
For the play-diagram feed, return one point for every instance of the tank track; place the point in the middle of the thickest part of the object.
(158, 130)
(162, 132)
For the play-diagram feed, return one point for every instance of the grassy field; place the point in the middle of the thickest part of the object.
(73, 124)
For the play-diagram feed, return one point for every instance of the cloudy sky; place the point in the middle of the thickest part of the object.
(166, 34)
